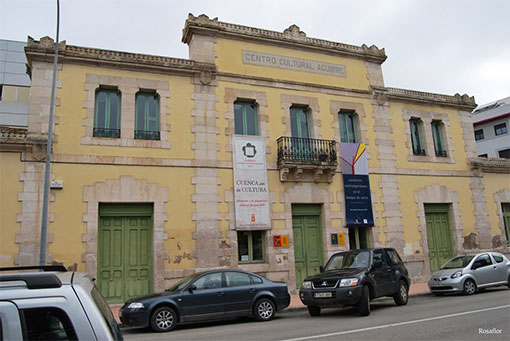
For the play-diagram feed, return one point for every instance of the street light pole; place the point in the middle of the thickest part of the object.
(44, 223)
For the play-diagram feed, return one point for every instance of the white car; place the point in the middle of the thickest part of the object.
(470, 273)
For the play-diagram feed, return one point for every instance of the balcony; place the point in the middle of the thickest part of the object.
(305, 159)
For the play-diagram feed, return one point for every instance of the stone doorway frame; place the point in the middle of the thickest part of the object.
(126, 189)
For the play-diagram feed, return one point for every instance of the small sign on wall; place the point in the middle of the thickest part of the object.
(277, 241)
(285, 240)
(281, 240)
(337, 239)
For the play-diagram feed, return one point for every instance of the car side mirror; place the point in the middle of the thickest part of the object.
(476, 265)
(321, 268)
(378, 263)
(192, 288)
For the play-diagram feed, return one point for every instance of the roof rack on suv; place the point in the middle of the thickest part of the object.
(37, 280)
(60, 268)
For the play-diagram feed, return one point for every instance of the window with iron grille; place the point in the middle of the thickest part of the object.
(107, 113)
(147, 116)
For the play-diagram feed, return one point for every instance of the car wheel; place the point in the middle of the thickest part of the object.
(402, 296)
(364, 302)
(264, 310)
(313, 310)
(163, 319)
(508, 284)
(469, 287)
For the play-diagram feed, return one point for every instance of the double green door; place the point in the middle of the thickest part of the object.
(439, 235)
(307, 241)
(125, 252)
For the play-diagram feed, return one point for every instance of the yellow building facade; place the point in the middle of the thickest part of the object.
(143, 186)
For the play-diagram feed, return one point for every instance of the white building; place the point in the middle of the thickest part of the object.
(491, 125)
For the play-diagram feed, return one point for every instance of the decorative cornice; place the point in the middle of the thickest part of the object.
(44, 50)
(13, 138)
(463, 102)
(491, 164)
(291, 36)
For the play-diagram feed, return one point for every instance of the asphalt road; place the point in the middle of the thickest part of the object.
(484, 316)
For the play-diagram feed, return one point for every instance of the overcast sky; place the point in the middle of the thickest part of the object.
(440, 46)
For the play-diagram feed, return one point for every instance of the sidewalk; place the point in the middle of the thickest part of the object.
(295, 302)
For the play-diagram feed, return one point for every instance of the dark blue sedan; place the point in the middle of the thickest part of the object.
(217, 294)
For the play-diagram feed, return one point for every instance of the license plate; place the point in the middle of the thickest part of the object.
(322, 295)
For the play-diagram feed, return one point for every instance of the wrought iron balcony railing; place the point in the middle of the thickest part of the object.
(105, 132)
(306, 150)
(147, 135)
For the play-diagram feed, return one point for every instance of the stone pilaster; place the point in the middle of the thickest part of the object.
(468, 133)
(29, 238)
(40, 101)
(481, 214)
(389, 186)
(206, 217)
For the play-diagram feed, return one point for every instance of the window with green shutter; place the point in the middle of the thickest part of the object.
(416, 140)
(250, 246)
(348, 126)
(147, 116)
(107, 113)
(437, 135)
(246, 118)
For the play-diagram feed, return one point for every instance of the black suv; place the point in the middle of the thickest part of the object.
(355, 277)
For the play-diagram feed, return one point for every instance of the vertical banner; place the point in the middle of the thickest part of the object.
(358, 201)
(251, 192)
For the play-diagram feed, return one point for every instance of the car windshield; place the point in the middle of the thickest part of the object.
(458, 262)
(349, 260)
(182, 283)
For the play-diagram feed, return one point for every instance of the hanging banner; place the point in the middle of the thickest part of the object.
(251, 192)
(358, 201)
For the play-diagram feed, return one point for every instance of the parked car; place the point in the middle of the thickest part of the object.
(355, 277)
(470, 273)
(53, 305)
(217, 294)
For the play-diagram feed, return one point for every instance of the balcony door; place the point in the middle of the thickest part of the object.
(301, 143)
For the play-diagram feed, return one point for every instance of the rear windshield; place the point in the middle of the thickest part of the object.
(458, 262)
(349, 260)
(107, 313)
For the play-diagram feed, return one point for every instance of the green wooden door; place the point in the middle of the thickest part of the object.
(124, 254)
(307, 244)
(505, 207)
(439, 235)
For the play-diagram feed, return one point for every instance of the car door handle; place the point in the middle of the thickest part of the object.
(220, 293)
(251, 291)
